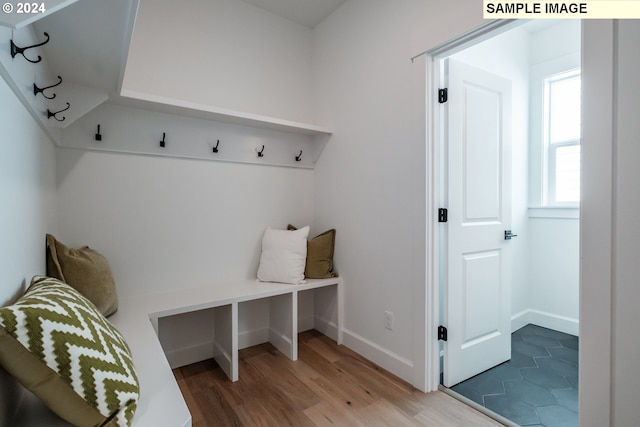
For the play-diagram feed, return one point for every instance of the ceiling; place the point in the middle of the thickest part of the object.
(305, 12)
(89, 38)
(88, 43)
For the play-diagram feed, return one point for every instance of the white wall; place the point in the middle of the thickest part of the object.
(27, 192)
(222, 53)
(554, 272)
(555, 40)
(28, 212)
(370, 179)
(165, 223)
(555, 241)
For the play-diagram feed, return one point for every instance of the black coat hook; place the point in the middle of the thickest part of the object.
(20, 50)
(37, 90)
(299, 156)
(54, 115)
(261, 152)
(98, 136)
(163, 142)
(215, 149)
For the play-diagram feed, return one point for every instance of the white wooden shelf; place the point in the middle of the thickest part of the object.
(208, 112)
(131, 130)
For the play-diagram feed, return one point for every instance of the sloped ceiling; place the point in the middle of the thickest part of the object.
(89, 38)
(89, 41)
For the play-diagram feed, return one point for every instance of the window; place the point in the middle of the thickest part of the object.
(562, 138)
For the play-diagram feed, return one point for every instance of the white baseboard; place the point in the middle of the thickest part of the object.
(546, 320)
(282, 343)
(223, 359)
(203, 351)
(305, 323)
(259, 336)
(382, 357)
(186, 356)
(326, 327)
(251, 338)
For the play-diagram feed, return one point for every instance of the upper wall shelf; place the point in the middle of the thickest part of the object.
(207, 112)
(17, 18)
(132, 130)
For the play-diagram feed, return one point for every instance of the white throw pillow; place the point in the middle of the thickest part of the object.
(284, 255)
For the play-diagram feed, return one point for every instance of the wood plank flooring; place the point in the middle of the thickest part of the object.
(329, 385)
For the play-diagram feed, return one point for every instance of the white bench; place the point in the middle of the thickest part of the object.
(161, 402)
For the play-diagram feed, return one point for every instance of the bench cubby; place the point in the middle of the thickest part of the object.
(139, 319)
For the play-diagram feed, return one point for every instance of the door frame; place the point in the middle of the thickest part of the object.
(436, 132)
(597, 237)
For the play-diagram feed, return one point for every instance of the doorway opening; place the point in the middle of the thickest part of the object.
(511, 301)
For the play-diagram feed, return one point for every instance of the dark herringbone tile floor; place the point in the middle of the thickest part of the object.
(538, 387)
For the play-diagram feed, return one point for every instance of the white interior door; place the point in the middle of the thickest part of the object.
(477, 281)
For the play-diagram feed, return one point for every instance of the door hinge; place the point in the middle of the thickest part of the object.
(442, 333)
(442, 215)
(442, 95)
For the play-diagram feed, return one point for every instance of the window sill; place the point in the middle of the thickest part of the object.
(557, 212)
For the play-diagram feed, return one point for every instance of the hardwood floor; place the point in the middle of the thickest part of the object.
(329, 385)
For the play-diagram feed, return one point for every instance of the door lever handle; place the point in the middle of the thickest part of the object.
(508, 235)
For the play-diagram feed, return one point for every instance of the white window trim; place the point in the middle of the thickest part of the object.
(550, 148)
(550, 197)
(538, 148)
(557, 212)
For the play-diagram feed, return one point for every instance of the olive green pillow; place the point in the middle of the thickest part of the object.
(56, 343)
(319, 255)
(85, 270)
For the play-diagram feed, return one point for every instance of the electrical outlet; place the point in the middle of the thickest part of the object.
(388, 320)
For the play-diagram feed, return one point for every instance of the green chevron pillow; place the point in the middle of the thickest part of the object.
(58, 345)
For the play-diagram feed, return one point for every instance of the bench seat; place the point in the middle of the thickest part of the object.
(161, 402)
